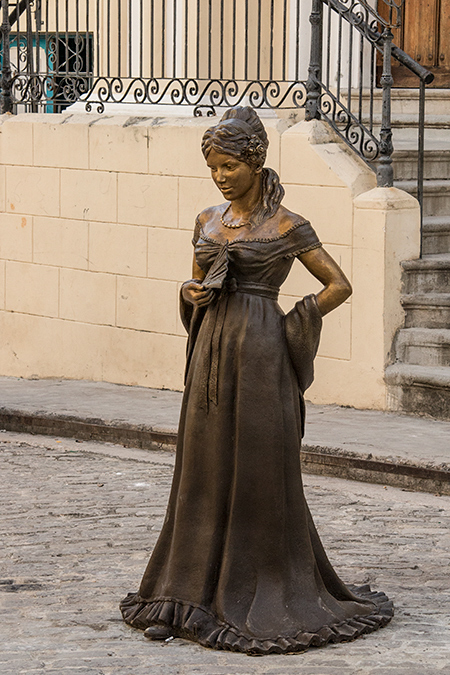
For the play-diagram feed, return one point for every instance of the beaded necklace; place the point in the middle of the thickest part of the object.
(240, 222)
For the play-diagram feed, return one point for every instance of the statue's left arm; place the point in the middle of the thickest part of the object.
(336, 287)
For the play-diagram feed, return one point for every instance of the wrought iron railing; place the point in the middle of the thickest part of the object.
(204, 53)
(214, 53)
(345, 98)
(351, 59)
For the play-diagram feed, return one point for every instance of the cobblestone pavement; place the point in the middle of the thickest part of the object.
(79, 521)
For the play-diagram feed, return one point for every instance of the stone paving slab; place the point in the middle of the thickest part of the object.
(111, 403)
(79, 521)
(402, 450)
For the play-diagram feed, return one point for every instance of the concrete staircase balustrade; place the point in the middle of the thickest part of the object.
(419, 379)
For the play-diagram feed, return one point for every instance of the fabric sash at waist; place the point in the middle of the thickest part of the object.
(264, 290)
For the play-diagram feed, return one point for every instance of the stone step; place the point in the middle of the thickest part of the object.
(429, 274)
(428, 310)
(436, 195)
(402, 121)
(423, 346)
(436, 163)
(406, 101)
(435, 137)
(436, 235)
(423, 390)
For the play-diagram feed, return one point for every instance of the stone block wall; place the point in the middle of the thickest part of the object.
(96, 220)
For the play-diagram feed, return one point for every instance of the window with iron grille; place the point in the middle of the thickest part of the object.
(71, 56)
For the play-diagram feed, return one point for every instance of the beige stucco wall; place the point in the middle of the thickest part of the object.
(96, 218)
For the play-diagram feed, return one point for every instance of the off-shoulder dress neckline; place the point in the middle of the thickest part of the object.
(248, 240)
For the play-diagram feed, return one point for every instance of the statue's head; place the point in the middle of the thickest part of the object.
(240, 134)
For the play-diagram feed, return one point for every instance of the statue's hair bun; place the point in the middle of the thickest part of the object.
(240, 133)
(249, 116)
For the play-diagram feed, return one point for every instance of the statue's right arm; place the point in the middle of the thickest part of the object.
(193, 290)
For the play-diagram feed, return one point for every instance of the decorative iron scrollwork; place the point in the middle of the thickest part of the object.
(202, 94)
(349, 127)
(209, 110)
(358, 11)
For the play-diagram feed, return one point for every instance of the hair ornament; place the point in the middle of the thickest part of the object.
(255, 151)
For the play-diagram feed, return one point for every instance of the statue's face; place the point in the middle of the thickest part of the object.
(233, 177)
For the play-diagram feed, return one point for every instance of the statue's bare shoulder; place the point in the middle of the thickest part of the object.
(209, 218)
(282, 222)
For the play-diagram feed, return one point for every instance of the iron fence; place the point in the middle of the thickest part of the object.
(331, 57)
(197, 52)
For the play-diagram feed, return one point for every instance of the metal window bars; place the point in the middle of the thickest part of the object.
(45, 59)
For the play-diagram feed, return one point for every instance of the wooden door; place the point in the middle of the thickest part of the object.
(424, 35)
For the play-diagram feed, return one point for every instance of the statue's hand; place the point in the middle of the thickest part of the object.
(194, 293)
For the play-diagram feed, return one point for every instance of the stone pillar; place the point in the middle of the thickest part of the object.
(386, 230)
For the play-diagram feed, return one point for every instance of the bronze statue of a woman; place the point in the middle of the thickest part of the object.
(239, 564)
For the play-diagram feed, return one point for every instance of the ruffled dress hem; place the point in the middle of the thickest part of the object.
(199, 624)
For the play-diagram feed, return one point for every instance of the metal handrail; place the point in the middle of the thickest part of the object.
(18, 10)
(406, 60)
(370, 31)
(323, 103)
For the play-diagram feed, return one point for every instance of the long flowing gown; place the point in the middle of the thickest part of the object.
(239, 564)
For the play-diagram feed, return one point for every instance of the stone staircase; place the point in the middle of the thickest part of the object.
(419, 378)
